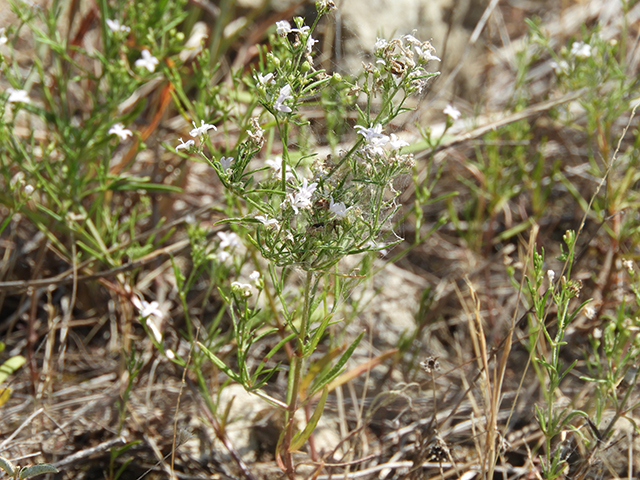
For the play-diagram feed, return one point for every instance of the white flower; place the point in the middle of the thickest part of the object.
(169, 353)
(589, 312)
(426, 53)
(147, 61)
(114, 26)
(560, 68)
(242, 288)
(264, 79)
(225, 163)
(202, 129)
(255, 276)
(223, 256)
(277, 169)
(551, 275)
(310, 43)
(411, 39)
(16, 96)
(628, 264)
(267, 222)
(119, 130)
(28, 190)
(371, 133)
(302, 199)
(186, 145)
(396, 143)
(147, 309)
(338, 209)
(283, 27)
(3, 37)
(303, 31)
(285, 94)
(151, 313)
(228, 240)
(452, 111)
(380, 43)
(581, 50)
(597, 333)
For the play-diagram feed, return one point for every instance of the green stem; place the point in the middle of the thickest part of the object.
(296, 376)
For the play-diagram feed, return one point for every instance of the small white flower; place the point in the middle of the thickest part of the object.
(276, 165)
(202, 129)
(225, 163)
(589, 312)
(28, 190)
(17, 96)
(242, 288)
(310, 43)
(169, 353)
(3, 36)
(302, 199)
(119, 130)
(371, 133)
(628, 264)
(380, 43)
(149, 311)
(397, 143)
(228, 240)
(581, 50)
(255, 276)
(187, 145)
(264, 79)
(339, 209)
(551, 275)
(147, 61)
(223, 256)
(285, 94)
(597, 333)
(560, 68)
(426, 53)
(283, 27)
(267, 222)
(302, 31)
(114, 26)
(452, 111)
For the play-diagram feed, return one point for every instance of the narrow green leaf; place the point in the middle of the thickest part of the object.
(335, 371)
(220, 364)
(303, 436)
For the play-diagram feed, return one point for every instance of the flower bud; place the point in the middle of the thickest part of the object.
(336, 78)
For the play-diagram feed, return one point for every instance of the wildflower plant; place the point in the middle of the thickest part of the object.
(302, 213)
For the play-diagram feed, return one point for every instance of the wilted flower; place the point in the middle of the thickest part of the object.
(147, 61)
(119, 130)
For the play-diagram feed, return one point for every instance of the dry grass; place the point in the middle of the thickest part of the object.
(447, 300)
